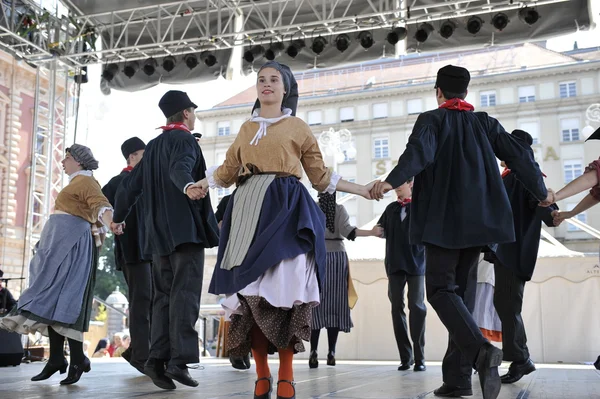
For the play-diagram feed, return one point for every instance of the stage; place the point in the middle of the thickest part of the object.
(115, 379)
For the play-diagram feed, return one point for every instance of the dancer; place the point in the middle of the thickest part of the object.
(180, 224)
(514, 265)
(273, 232)
(459, 206)
(58, 302)
(135, 264)
(333, 312)
(405, 266)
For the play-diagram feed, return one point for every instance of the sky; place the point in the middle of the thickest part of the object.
(106, 121)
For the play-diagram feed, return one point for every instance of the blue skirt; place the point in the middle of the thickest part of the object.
(290, 224)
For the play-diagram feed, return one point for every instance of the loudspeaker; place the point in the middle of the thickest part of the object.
(11, 349)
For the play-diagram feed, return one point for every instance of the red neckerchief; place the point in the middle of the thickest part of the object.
(457, 104)
(176, 125)
(127, 169)
(506, 172)
(405, 201)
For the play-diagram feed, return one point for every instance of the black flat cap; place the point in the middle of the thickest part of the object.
(174, 101)
(453, 79)
(132, 145)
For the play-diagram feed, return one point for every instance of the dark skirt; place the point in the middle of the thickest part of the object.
(334, 311)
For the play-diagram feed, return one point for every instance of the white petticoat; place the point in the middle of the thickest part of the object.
(291, 282)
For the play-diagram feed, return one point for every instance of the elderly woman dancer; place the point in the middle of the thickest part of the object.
(272, 249)
(58, 302)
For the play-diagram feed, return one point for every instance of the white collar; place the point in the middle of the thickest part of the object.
(264, 123)
(80, 172)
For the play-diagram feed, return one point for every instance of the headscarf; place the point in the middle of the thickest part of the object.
(290, 98)
(327, 204)
(102, 344)
(83, 156)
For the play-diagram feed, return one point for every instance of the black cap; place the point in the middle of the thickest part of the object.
(174, 101)
(132, 145)
(523, 135)
(453, 79)
(595, 135)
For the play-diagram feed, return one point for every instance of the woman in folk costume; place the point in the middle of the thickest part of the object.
(337, 295)
(272, 252)
(58, 302)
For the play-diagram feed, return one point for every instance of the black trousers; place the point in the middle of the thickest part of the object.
(417, 314)
(451, 281)
(177, 289)
(508, 301)
(139, 280)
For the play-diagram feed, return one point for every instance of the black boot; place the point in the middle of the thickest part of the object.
(155, 369)
(331, 359)
(76, 371)
(50, 369)
(313, 360)
(181, 374)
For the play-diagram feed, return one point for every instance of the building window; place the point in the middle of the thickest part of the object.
(414, 106)
(223, 129)
(381, 147)
(582, 217)
(526, 94)
(533, 128)
(341, 194)
(569, 129)
(347, 114)
(488, 98)
(573, 169)
(223, 192)
(567, 89)
(380, 111)
(315, 118)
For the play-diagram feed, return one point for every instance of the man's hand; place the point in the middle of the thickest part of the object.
(117, 228)
(197, 190)
(377, 231)
(379, 189)
(559, 216)
(550, 199)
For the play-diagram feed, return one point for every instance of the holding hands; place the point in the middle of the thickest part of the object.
(197, 190)
(379, 188)
(560, 216)
(550, 199)
(117, 228)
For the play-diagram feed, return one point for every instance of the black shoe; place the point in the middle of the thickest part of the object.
(420, 366)
(597, 363)
(405, 365)
(516, 371)
(76, 371)
(181, 374)
(238, 363)
(155, 369)
(488, 360)
(50, 369)
(293, 384)
(313, 360)
(453, 392)
(330, 359)
(247, 361)
(266, 395)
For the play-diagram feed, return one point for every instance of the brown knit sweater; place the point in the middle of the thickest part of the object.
(82, 197)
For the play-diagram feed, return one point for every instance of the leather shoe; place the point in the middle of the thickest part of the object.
(419, 366)
(405, 365)
(597, 363)
(266, 395)
(293, 384)
(331, 359)
(313, 360)
(516, 371)
(76, 371)
(237, 362)
(155, 369)
(181, 374)
(50, 369)
(488, 360)
(247, 361)
(449, 391)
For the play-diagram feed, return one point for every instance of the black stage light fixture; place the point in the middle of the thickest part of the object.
(318, 45)
(423, 32)
(208, 58)
(529, 15)
(191, 60)
(253, 53)
(396, 35)
(150, 66)
(500, 21)
(295, 47)
(110, 71)
(342, 42)
(447, 29)
(274, 51)
(366, 39)
(474, 25)
(168, 63)
(131, 68)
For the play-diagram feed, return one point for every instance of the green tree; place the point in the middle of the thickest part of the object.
(107, 275)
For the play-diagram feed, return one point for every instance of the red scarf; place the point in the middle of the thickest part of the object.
(127, 169)
(506, 172)
(457, 104)
(176, 125)
(405, 201)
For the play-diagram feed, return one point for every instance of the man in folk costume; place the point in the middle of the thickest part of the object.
(131, 259)
(459, 206)
(405, 266)
(180, 224)
(514, 265)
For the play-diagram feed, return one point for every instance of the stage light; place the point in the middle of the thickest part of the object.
(423, 32)
(110, 71)
(396, 35)
(190, 60)
(529, 15)
(342, 42)
(500, 21)
(253, 53)
(131, 68)
(168, 63)
(366, 39)
(295, 47)
(208, 58)
(318, 45)
(447, 29)
(474, 25)
(274, 51)
(150, 66)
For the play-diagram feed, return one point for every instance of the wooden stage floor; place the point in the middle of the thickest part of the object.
(115, 379)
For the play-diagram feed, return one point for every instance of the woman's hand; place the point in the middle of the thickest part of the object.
(560, 216)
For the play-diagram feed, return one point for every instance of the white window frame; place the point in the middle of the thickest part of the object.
(569, 87)
(573, 167)
(383, 144)
(569, 128)
(533, 128)
(223, 128)
(347, 114)
(526, 94)
(414, 106)
(314, 118)
(582, 217)
(491, 99)
(380, 111)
